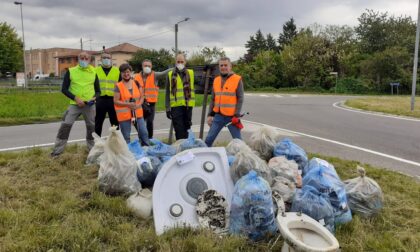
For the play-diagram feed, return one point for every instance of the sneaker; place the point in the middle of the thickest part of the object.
(54, 155)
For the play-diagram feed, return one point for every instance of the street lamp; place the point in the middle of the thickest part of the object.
(23, 37)
(171, 128)
(416, 58)
(176, 34)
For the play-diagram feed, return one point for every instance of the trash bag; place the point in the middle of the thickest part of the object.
(251, 212)
(117, 167)
(263, 141)
(364, 195)
(315, 204)
(247, 161)
(136, 149)
(281, 166)
(211, 208)
(163, 159)
(315, 163)
(284, 187)
(291, 151)
(96, 151)
(237, 145)
(141, 203)
(190, 143)
(341, 218)
(147, 170)
(325, 179)
(159, 149)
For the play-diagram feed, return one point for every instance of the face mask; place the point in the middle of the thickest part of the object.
(83, 63)
(106, 62)
(180, 66)
(147, 70)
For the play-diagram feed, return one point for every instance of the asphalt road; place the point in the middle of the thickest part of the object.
(311, 121)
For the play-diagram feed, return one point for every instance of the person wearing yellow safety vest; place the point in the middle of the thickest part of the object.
(128, 99)
(81, 86)
(148, 79)
(108, 76)
(226, 102)
(180, 97)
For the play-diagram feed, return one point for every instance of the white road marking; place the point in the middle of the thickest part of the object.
(336, 105)
(345, 145)
(263, 95)
(278, 96)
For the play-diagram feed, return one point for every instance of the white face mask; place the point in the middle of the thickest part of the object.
(106, 62)
(147, 70)
(180, 66)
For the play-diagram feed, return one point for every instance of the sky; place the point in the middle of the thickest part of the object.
(227, 24)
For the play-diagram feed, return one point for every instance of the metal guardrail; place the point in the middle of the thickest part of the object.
(47, 85)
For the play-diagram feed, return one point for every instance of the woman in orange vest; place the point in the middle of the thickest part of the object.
(128, 98)
(226, 102)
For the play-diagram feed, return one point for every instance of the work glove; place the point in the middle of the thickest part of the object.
(237, 122)
(169, 115)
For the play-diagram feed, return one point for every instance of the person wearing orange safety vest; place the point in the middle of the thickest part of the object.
(128, 99)
(148, 79)
(226, 102)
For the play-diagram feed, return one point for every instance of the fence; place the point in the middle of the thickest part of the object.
(47, 85)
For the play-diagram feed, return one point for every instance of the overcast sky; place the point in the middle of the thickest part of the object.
(150, 24)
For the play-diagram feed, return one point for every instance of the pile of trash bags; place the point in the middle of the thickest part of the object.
(270, 176)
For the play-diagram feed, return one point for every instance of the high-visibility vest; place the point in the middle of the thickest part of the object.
(125, 113)
(225, 99)
(107, 82)
(180, 98)
(82, 82)
(151, 91)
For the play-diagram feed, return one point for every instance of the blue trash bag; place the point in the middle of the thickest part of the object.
(231, 159)
(159, 149)
(315, 163)
(341, 218)
(147, 170)
(325, 179)
(191, 142)
(164, 159)
(251, 211)
(311, 202)
(292, 151)
(136, 149)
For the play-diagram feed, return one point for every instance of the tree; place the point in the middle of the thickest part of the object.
(256, 43)
(288, 34)
(11, 50)
(160, 59)
(271, 43)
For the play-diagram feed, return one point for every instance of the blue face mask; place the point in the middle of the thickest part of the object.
(83, 63)
(106, 62)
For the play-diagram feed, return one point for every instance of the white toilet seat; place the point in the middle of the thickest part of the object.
(309, 234)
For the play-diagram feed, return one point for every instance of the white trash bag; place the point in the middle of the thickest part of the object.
(281, 166)
(118, 167)
(285, 188)
(263, 141)
(245, 162)
(364, 195)
(141, 203)
(96, 151)
(237, 145)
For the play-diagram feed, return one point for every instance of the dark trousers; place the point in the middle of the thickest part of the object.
(104, 104)
(149, 117)
(181, 119)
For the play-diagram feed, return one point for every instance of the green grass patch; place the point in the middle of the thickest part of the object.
(54, 205)
(396, 105)
(27, 107)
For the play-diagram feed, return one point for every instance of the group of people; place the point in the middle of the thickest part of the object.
(106, 89)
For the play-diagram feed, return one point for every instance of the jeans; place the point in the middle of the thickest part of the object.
(219, 121)
(125, 127)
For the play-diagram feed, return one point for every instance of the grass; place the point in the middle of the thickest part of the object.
(55, 205)
(397, 105)
(26, 108)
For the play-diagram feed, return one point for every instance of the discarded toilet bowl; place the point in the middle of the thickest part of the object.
(182, 179)
(302, 233)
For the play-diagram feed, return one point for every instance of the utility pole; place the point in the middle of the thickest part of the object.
(23, 37)
(81, 44)
(416, 58)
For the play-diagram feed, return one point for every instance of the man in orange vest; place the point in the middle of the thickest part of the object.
(226, 102)
(148, 79)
